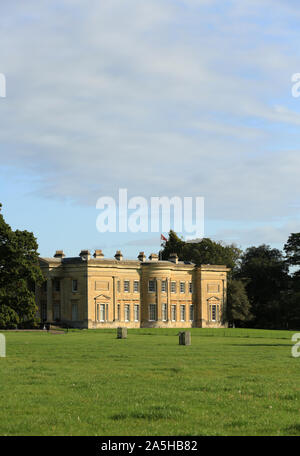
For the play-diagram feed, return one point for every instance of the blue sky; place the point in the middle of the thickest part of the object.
(164, 98)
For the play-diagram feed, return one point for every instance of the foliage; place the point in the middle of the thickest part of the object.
(265, 273)
(205, 251)
(292, 249)
(238, 305)
(19, 271)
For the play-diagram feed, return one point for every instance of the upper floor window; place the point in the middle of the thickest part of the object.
(126, 286)
(164, 286)
(136, 286)
(190, 287)
(151, 285)
(173, 287)
(182, 287)
(56, 285)
(75, 285)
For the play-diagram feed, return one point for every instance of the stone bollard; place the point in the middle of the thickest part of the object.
(185, 338)
(122, 333)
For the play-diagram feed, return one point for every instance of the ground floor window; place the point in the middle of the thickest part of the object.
(182, 313)
(191, 313)
(127, 312)
(44, 310)
(214, 311)
(173, 313)
(164, 312)
(56, 311)
(153, 312)
(118, 312)
(136, 312)
(74, 311)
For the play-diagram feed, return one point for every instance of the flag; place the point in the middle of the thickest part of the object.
(162, 238)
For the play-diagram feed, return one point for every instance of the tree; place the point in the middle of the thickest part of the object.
(205, 251)
(19, 272)
(265, 273)
(292, 249)
(238, 305)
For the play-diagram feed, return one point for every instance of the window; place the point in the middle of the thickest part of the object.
(56, 311)
(164, 312)
(191, 313)
(182, 313)
(151, 285)
(127, 312)
(164, 286)
(74, 285)
(173, 313)
(57, 285)
(152, 312)
(118, 312)
(136, 286)
(182, 287)
(136, 312)
(190, 287)
(101, 312)
(44, 310)
(44, 286)
(214, 310)
(126, 286)
(74, 311)
(173, 287)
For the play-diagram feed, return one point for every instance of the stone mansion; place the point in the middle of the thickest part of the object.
(95, 292)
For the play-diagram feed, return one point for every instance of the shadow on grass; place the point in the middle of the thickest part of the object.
(151, 414)
(260, 345)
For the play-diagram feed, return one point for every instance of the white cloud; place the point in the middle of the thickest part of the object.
(160, 97)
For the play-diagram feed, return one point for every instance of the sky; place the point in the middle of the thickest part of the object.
(188, 98)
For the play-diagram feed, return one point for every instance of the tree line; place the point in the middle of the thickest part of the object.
(263, 283)
(263, 289)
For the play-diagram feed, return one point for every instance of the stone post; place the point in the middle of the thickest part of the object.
(121, 333)
(185, 338)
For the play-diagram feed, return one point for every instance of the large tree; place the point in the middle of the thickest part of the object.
(204, 251)
(19, 272)
(292, 249)
(238, 307)
(265, 273)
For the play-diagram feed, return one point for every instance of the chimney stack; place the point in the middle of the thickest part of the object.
(59, 254)
(119, 255)
(153, 257)
(173, 257)
(85, 254)
(142, 257)
(98, 254)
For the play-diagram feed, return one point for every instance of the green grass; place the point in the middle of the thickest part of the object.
(228, 382)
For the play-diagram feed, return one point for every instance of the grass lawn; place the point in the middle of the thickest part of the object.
(228, 382)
